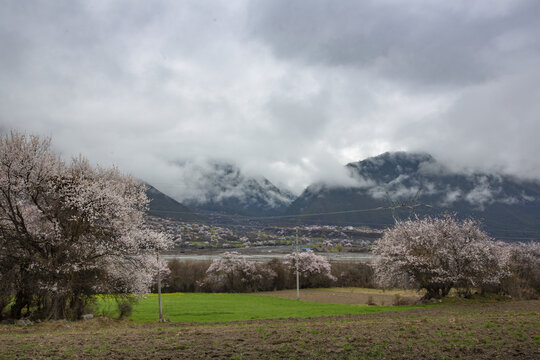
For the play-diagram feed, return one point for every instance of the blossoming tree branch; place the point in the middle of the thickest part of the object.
(69, 231)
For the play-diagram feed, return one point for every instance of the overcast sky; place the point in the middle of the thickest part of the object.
(288, 89)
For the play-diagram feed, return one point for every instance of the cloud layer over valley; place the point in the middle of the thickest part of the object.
(290, 91)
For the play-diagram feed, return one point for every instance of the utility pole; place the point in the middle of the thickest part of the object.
(297, 272)
(159, 289)
(392, 205)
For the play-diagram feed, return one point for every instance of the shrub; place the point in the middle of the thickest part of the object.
(186, 275)
(284, 279)
(192, 276)
(125, 309)
(353, 274)
(522, 265)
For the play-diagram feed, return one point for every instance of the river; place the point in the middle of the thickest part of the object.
(265, 254)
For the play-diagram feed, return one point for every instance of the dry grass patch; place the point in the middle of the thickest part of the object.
(351, 296)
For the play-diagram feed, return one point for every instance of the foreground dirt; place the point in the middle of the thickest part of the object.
(499, 330)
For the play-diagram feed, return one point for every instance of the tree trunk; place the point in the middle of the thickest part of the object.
(22, 299)
(445, 290)
(57, 310)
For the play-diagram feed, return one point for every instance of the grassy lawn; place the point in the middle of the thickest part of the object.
(201, 307)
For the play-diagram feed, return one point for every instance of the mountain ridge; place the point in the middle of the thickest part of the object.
(508, 207)
(224, 188)
(163, 206)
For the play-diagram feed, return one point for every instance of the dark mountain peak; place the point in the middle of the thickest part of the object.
(164, 206)
(402, 157)
(390, 165)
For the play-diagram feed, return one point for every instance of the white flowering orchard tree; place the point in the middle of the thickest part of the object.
(522, 264)
(436, 254)
(232, 273)
(69, 230)
(314, 270)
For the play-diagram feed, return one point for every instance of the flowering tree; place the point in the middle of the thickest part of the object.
(314, 270)
(232, 273)
(436, 255)
(522, 265)
(69, 230)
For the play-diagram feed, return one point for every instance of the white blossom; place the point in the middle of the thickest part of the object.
(310, 264)
(436, 255)
(71, 228)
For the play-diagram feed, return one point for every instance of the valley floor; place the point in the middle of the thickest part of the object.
(467, 330)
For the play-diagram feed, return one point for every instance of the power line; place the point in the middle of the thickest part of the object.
(410, 204)
(277, 216)
(319, 214)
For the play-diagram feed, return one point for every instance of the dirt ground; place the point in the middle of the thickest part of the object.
(496, 330)
(354, 296)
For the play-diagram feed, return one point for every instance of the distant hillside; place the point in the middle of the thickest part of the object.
(223, 188)
(508, 207)
(164, 206)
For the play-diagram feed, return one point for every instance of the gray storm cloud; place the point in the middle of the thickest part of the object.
(287, 90)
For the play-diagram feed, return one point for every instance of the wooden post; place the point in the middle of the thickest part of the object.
(159, 289)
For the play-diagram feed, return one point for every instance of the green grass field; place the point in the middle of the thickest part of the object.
(202, 307)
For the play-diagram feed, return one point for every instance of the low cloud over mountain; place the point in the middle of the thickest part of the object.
(223, 187)
(509, 207)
